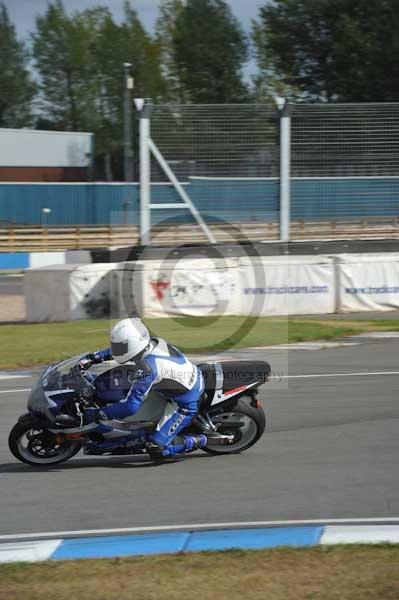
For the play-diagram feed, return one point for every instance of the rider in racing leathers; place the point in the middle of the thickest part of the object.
(161, 367)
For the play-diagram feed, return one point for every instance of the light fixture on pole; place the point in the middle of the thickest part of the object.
(280, 102)
(43, 216)
(139, 104)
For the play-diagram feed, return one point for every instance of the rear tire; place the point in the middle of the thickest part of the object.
(254, 426)
(41, 449)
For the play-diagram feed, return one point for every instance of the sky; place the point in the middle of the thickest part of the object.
(22, 12)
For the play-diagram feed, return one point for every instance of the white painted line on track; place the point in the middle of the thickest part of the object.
(310, 346)
(380, 334)
(196, 527)
(5, 376)
(14, 391)
(307, 376)
(359, 374)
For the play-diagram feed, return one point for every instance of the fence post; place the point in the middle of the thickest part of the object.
(145, 173)
(285, 172)
(128, 156)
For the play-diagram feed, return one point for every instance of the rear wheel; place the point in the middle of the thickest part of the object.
(39, 447)
(252, 425)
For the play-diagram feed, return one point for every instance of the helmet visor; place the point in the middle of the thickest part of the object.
(119, 348)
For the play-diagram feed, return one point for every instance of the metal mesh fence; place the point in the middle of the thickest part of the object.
(217, 140)
(227, 157)
(345, 161)
(345, 140)
(344, 165)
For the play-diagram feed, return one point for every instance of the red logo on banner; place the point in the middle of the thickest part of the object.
(159, 288)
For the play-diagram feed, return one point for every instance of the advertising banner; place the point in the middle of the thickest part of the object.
(242, 286)
(191, 288)
(368, 282)
(289, 285)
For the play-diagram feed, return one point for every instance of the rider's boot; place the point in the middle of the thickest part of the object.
(186, 444)
(182, 445)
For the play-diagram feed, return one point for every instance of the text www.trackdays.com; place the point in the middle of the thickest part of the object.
(294, 289)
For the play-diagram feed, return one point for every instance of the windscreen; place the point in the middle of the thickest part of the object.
(59, 377)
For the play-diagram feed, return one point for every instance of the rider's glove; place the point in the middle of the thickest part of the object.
(93, 415)
(86, 363)
(89, 360)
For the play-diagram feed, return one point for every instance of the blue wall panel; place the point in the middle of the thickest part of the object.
(70, 204)
(329, 198)
(236, 199)
(228, 199)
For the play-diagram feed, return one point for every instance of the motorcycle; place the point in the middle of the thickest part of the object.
(53, 429)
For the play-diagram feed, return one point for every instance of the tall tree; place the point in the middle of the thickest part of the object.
(80, 58)
(16, 85)
(115, 45)
(165, 28)
(210, 49)
(61, 52)
(332, 50)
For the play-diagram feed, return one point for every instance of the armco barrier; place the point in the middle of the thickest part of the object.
(185, 540)
(31, 260)
(14, 260)
(171, 233)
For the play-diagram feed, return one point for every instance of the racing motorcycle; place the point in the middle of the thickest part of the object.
(53, 429)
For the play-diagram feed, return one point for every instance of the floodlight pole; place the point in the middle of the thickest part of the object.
(128, 156)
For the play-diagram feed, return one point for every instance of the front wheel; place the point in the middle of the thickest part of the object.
(39, 447)
(252, 425)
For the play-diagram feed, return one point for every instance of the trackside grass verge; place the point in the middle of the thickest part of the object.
(32, 344)
(321, 573)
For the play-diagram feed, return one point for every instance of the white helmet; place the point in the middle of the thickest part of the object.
(129, 338)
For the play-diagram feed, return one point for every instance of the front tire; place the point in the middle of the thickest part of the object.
(38, 447)
(254, 423)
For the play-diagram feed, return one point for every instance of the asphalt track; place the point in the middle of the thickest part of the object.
(330, 451)
(11, 285)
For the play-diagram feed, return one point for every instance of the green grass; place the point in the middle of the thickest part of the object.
(321, 573)
(27, 345)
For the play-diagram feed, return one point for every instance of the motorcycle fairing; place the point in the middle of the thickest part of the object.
(224, 380)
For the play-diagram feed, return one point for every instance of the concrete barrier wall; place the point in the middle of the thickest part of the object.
(68, 292)
(265, 286)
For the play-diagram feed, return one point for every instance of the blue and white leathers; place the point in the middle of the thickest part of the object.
(166, 370)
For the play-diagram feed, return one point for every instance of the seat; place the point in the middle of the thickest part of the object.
(244, 372)
(209, 375)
